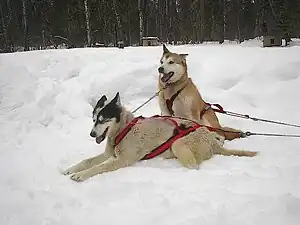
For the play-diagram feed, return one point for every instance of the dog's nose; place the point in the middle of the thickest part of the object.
(93, 134)
(161, 69)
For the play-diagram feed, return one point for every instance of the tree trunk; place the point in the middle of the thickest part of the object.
(161, 27)
(9, 10)
(257, 18)
(129, 30)
(167, 21)
(223, 21)
(24, 12)
(140, 8)
(173, 16)
(213, 26)
(9, 24)
(238, 22)
(202, 26)
(145, 18)
(120, 33)
(4, 28)
(87, 21)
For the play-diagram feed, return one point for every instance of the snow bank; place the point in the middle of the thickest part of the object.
(45, 120)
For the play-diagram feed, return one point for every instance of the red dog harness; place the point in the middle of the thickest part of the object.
(170, 101)
(180, 132)
(209, 106)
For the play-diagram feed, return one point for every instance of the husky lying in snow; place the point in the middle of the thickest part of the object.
(180, 97)
(129, 142)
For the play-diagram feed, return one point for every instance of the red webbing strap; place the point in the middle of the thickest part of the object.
(218, 109)
(163, 147)
(169, 102)
(208, 106)
(197, 125)
(124, 132)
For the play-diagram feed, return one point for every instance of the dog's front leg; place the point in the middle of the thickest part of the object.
(90, 162)
(87, 163)
(163, 106)
(110, 165)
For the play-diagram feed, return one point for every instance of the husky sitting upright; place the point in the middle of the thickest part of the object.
(132, 139)
(179, 96)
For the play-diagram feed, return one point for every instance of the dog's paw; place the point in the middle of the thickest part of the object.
(68, 171)
(220, 139)
(80, 176)
(252, 154)
(192, 167)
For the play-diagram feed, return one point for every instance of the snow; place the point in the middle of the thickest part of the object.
(46, 117)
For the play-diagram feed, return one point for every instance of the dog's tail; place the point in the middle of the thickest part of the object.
(222, 151)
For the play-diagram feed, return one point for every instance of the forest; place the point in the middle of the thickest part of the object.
(38, 24)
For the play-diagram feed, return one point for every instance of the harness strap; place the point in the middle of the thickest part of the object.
(203, 111)
(166, 145)
(208, 106)
(124, 132)
(181, 132)
(169, 102)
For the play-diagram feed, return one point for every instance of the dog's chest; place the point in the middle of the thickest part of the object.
(180, 105)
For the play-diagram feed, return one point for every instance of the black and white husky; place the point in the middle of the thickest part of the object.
(132, 139)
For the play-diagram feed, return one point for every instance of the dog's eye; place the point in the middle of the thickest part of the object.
(101, 119)
(171, 62)
(161, 62)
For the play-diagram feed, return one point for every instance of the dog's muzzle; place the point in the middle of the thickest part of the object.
(166, 76)
(100, 138)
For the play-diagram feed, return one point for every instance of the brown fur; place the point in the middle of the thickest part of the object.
(189, 102)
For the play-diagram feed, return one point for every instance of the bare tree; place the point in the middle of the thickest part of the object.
(87, 20)
(141, 20)
(202, 26)
(257, 18)
(223, 29)
(4, 34)
(24, 10)
(238, 21)
(119, 32)
(173, 20)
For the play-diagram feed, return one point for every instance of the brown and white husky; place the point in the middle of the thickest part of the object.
(180, 96)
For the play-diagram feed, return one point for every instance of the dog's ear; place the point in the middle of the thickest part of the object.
(165, 50)
(116, 100)
(101, 102)
(184, 56)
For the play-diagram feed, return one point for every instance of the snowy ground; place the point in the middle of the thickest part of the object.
(45, 120)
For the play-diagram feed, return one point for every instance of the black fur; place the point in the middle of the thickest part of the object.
(111, 110)
(165, 50)
(182, 126)
(175, 132)
(100, 103)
